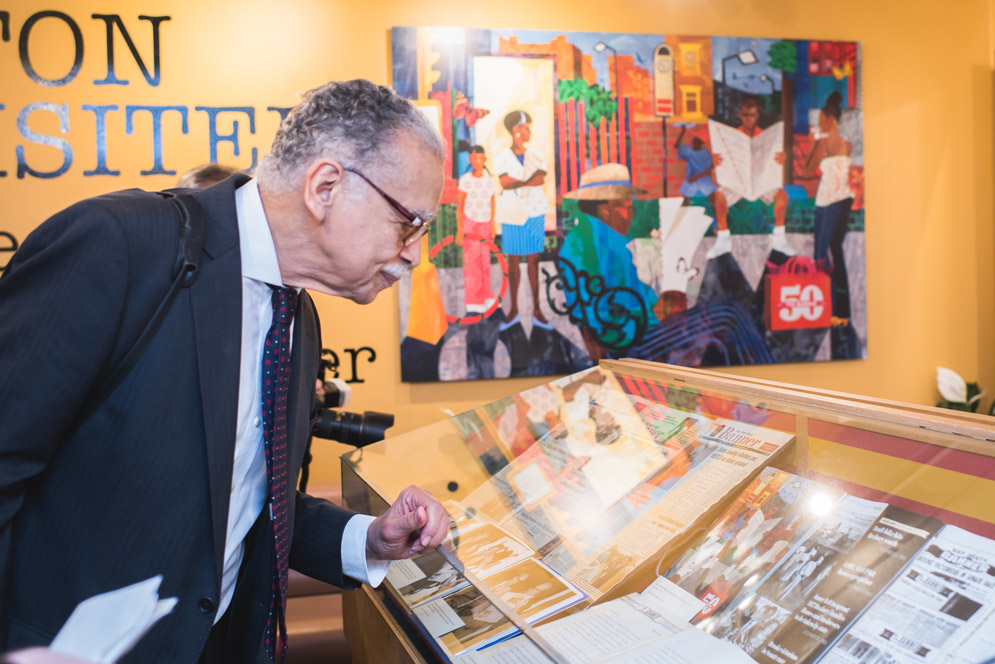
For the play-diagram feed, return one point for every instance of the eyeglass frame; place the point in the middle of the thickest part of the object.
(419, 226)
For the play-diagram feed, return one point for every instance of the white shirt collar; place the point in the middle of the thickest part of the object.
(255, 240)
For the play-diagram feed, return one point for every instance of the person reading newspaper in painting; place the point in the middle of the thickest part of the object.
(748, 164)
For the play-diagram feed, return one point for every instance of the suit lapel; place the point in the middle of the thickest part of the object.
(303, 367)
(217, 325)
(216, 301)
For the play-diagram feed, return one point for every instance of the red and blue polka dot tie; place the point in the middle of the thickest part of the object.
(276, 382)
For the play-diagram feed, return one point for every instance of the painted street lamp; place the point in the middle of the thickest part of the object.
(600, 47)
(746, 57)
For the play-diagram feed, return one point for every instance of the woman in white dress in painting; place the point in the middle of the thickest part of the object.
(522, 210)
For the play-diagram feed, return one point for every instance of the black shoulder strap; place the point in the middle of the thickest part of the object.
(185, 272)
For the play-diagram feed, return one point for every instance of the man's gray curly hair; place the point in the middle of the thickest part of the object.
(354, 122)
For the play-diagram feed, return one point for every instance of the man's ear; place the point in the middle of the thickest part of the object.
(321, 182)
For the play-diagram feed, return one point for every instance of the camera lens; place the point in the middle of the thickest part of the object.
(352, 428)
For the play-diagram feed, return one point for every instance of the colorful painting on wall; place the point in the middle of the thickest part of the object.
(691, 200)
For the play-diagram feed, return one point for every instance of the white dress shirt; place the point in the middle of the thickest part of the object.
(248, 488)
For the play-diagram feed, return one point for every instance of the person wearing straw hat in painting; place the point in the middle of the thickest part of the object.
(598, 246)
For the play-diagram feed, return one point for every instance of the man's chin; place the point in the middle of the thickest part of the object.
(368, 295)
(389, 278)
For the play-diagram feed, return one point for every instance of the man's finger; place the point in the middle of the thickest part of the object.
(441, 532)
(436, 526)
(413, 520)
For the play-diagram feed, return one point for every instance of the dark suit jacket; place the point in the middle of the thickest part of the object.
(141, 488)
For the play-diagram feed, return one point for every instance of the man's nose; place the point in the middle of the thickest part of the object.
(412, 252)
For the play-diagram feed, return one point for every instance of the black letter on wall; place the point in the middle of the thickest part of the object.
(7, 249)
(22, 49)
(354, 352)
(282, 110)
(44, 139)
(100, 117)
(110, 20)
(156, 112)
(215, 137)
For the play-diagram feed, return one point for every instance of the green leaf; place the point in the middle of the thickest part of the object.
(782, 56)
(598, 102)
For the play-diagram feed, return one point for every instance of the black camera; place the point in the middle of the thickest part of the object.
(352, 428)
(348, 428)
(345, 427)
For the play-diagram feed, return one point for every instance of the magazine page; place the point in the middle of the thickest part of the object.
(601, 631)
(622, 630)
(597, 453)
(486, 548)
(753, 616)
(708, 459)
(760, 527)
(817, 592)
(482, 546)
(689, 646)
(977, 644)
(467, 619)
(937, 600)
(424, 578)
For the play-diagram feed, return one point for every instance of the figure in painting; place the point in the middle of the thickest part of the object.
(725, 197)
(475, 225)
(598, 246)
(833, 202)
(698, 177)
(522, 210)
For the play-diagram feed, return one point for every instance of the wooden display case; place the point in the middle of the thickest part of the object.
(510, 460)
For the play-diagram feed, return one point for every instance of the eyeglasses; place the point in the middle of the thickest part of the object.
(418, 226)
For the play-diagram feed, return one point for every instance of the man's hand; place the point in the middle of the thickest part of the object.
(415, 523)
(40, 656)
(717, 158)
(779, 158)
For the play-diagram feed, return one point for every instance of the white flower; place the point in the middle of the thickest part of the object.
(952, 387)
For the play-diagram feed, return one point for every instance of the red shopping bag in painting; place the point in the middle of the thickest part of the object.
(798, 295)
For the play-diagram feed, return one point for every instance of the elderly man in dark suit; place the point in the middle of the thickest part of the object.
(188, 467)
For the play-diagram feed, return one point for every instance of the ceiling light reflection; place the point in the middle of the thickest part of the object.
(821, 503)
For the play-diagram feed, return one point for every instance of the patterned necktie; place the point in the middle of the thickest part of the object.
(275, 388)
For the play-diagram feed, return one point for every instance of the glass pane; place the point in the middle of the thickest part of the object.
(634, 509)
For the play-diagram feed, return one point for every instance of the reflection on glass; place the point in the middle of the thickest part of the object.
(660, 505)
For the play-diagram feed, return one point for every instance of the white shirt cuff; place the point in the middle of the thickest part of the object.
(356, 562)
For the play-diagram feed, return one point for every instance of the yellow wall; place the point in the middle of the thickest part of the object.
(928, 91)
